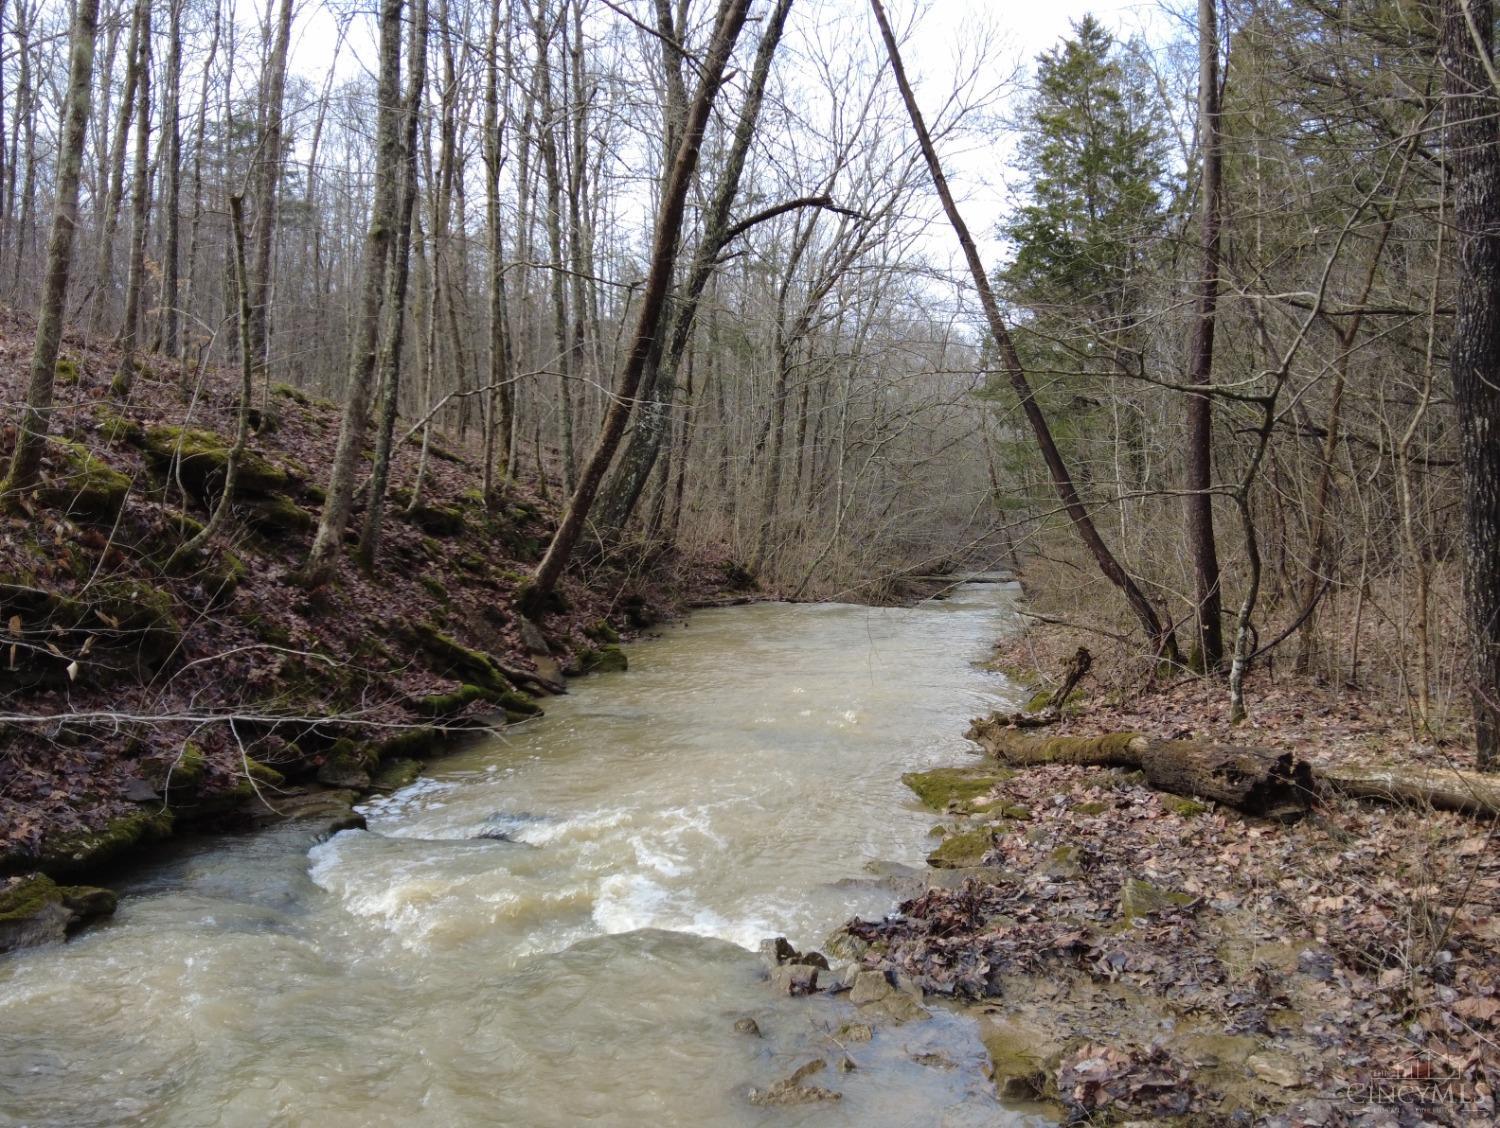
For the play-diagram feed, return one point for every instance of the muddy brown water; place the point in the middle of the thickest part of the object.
(586, 963)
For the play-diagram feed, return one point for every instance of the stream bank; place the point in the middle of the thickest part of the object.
(1140, 956)
(147, 693)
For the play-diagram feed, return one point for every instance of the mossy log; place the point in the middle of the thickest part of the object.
(1269, 784)
(1447, 789)
(1264, 784)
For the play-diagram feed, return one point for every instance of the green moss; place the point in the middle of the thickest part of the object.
(1141, 899)
(264, 774)
(940, 787)
(605, 660)
(65, 371)
(414, 743)
(1038, 701)
(82, 483)
(447, 704)
(277, 514)
(1187, 808)
(201, 458)
(601, 631)
(1091, 809)
(959, 851)
(434, 587)
(437, 520)
(296, 395)
(115, 428)
(81, 849)
(27, 898)
(347, 764)
(452, 659)
(396, 775)
(187, 772)
(1014, 811)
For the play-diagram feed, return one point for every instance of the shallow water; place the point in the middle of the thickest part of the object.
(588, 963)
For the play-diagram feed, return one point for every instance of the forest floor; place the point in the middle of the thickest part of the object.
(139, 691)
(1137, 956)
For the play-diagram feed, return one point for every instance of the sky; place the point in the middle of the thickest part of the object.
(946, 31)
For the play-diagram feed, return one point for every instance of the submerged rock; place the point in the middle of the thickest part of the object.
(791, 1090)
(794, 979)
(748, 1025)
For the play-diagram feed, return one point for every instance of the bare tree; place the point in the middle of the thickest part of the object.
(36, 413)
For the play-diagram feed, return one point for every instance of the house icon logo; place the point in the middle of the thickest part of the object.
(1421, 1079)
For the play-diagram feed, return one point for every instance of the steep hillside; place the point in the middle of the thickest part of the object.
(143, 690)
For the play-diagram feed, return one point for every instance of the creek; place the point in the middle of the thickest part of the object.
(555, 926)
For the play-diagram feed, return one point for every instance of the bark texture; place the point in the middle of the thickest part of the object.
(322, 557)
(1474, 145)
(1200, 502)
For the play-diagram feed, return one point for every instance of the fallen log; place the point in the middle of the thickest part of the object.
(1273, 785)
(1447, 789)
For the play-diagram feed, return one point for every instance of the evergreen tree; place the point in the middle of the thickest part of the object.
(1093, 159)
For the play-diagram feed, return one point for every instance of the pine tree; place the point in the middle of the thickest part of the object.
(1093, 159)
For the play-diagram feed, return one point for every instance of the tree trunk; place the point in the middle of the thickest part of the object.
(727, 26)
(36, 413)
(501, 420)
(395, 314)
(1466, 51)
(322, 557)
(645, 441)
(1199, 501)
(268, 184)
(1264, 784)
(127, 339)
(113, 176)
(1161, 635)
(172, 162)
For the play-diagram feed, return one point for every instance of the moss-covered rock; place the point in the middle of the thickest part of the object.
(80, 850)
(450, 658)
(437, 520)
(117, 429)
(605, 660)
(1091, 808)
(65, 372)
(201, 459)
(961, 850)
(81, 484)
(938, 788)
(1021, 1058)
(296, 395)
(395, 775)
(450, 704)
(35, 910)
(347, 764)
(601, 631)
(276, 514)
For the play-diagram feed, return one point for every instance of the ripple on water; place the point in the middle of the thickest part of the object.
(590, 967)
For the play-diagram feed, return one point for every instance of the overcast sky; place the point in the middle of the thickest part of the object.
(945, 31)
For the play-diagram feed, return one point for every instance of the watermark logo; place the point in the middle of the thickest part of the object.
(1420, 1080)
